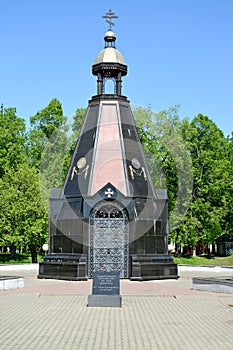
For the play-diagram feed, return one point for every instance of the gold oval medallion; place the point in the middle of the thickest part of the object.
(81, 162)
(135, 163)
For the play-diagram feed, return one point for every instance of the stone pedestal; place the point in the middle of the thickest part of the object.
(105, 290)
(64, 267)
(104, 300)
(151, 267)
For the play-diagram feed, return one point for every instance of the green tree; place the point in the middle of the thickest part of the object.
(168, 159)
(12, 140)
(48, 146)
(23, 219)
(43, 125)
(206, 219)
(176, 150)
(53, 163)
(78, 120)
(229, 183)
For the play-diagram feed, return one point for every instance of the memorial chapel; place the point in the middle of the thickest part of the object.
(108, 216)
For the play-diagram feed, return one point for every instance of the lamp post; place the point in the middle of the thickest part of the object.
(45, 248)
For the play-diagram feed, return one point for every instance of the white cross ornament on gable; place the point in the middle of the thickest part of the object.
(109, 193)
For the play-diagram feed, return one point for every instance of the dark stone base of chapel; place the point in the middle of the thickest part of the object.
(74, 267)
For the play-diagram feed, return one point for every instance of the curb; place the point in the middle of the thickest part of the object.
(206, 268)
(19, 267)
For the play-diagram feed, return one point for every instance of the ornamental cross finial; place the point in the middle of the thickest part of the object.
(109, 193)
(109, 16)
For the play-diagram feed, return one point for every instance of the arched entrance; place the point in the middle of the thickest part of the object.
(109, 239)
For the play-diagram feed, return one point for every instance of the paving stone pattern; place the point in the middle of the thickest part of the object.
(158, 315)
(54, 321)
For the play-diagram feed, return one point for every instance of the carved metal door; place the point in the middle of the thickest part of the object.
(109, 240)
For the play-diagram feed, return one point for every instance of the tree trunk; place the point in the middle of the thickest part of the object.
(13, 251)
(33, 252)
(213, 249)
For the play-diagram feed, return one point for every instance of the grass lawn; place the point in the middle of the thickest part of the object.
(205, 261)
(188, 260)
(25, 258)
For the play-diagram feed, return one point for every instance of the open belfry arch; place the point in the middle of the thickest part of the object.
(108, 216)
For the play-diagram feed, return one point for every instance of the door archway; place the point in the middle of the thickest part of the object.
(109, 239)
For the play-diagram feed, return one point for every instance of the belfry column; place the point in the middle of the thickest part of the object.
(99, 84)
(118, 84)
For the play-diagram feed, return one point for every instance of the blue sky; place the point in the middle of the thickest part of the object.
(177, 51)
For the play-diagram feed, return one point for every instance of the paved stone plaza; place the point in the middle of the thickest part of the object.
(52, 314)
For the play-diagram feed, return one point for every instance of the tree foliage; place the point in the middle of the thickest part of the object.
(23, 220)
(23, 216)
(209, 152)
(195, 159)
(168, 158)
(43, 124)
(12, 140)
(77, 123)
